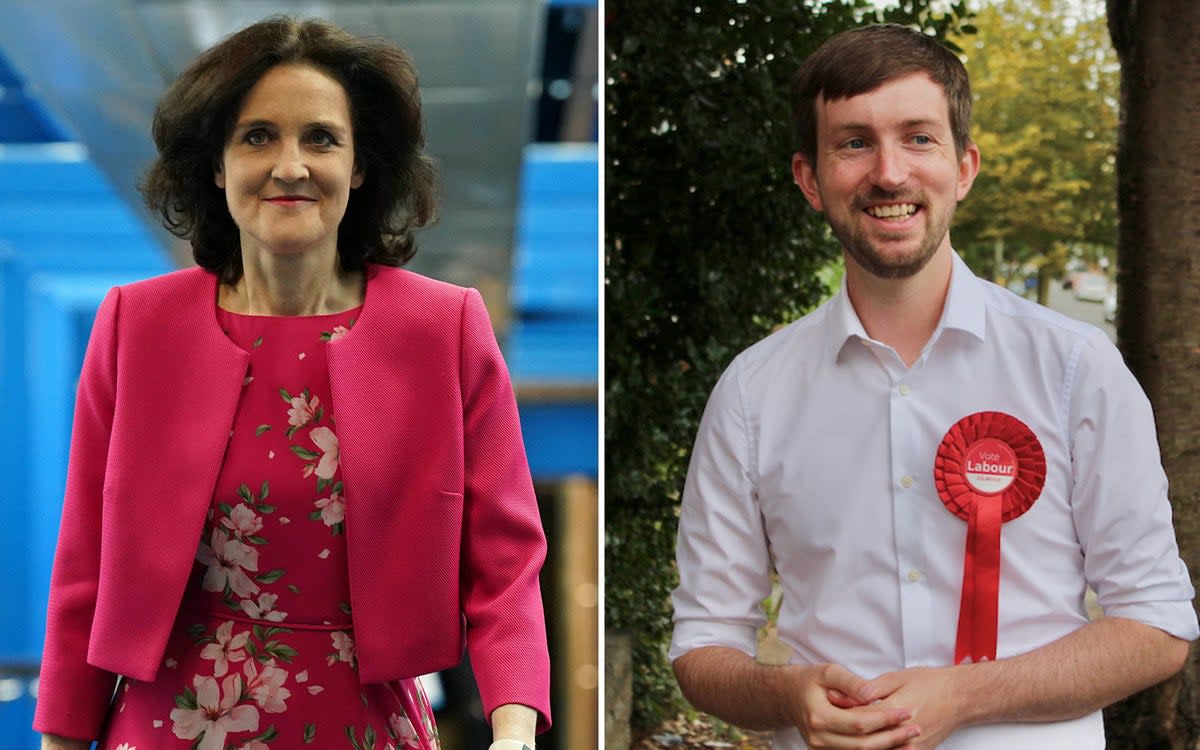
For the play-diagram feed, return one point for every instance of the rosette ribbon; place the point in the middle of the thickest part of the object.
(990, 468)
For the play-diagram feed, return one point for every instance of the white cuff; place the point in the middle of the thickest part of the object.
(509, 745)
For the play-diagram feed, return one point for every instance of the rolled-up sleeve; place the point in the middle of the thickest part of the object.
(1120, 505)
(722, 550)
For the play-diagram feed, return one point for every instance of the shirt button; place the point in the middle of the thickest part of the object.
(905, 390)
(906, 481)
(914, 575)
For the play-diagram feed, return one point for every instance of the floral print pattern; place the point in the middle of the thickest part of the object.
(262, 656)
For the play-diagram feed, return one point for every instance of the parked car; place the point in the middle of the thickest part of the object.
(1110, 305)
(1091, 287)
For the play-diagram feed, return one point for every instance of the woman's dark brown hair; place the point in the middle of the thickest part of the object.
(196, 116)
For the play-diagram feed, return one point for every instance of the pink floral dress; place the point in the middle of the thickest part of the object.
(262, 654)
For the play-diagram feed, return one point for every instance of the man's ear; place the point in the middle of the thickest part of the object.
(804, 174)
(968, 168)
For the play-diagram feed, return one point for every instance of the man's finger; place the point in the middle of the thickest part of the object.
(887, 737)
(880, 687)
(858, 722)
(840, 699)
(839, 678)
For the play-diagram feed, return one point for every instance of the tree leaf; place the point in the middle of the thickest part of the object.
(258, 431)
(310, 732)
(244, 493)
(287, 397)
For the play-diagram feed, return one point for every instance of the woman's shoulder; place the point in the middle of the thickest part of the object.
(186, 281)
(415, 296)
(393, 279)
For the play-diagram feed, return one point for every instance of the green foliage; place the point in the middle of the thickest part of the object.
(1045, 80)
(708, 248)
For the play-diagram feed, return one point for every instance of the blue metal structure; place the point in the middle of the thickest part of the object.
(65, 238)
(554, 339)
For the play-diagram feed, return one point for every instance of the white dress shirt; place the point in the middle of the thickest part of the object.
(815, 455)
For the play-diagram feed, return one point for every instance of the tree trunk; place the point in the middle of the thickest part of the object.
(1158, 164)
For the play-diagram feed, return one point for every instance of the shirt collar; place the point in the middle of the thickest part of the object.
(964, 310)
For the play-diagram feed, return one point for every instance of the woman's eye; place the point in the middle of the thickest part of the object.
(323, 138)
(256, 138)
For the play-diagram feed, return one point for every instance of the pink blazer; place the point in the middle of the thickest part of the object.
(429, 443)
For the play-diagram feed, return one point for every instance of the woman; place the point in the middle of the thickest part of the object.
(296, 477)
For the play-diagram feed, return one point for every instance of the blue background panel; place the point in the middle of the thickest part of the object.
(561, 439)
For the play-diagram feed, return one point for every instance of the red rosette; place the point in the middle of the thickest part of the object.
(990, 468)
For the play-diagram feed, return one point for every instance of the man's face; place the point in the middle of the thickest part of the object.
(887, 175)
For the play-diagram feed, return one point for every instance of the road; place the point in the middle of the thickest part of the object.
(1090, 312)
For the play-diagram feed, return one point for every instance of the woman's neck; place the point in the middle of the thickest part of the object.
(297, 284)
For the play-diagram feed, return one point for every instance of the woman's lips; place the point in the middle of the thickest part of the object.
(290, 200)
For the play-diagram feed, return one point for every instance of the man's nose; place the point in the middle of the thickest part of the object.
(891, 167)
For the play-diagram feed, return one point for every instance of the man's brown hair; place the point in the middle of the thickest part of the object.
(863, 59)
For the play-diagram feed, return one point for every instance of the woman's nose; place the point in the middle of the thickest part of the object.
(289, 164)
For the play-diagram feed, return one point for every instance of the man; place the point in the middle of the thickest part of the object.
(935, 467)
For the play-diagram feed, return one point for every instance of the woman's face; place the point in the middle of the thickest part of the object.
(288, 167)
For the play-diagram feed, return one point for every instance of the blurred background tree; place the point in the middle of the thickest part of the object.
(1045, 79)
(708, 247)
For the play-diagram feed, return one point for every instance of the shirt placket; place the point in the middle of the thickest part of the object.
(909, 485)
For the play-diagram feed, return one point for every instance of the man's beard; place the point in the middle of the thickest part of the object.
(876, 263)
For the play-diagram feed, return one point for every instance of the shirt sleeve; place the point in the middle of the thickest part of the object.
(1120, 506)
(73, 696)
(503, 542)
(722, 550)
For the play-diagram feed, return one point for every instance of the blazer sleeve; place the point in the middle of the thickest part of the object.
(503, 542)
(73, 696)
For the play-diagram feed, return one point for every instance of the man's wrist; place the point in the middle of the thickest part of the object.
(509, 745)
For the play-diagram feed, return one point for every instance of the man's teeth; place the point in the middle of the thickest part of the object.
(891, 212)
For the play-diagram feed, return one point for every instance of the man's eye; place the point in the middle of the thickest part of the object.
(922, 140)
(856, 143)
